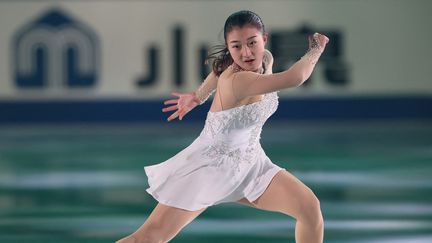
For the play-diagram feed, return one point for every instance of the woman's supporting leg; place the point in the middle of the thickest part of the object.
(288, 195)
(162, 225)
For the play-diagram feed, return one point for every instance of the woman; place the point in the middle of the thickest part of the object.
(226, 163)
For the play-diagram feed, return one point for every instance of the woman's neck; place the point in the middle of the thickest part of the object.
(237, 68)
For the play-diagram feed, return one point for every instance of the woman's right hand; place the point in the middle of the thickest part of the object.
(185, 103)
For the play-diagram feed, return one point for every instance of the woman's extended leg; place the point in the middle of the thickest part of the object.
(162, 225)
(288, 195)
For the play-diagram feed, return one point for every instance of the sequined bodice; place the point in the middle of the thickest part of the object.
(245, 118)
(235, 132)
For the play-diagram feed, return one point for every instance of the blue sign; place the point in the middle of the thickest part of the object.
(55, 51)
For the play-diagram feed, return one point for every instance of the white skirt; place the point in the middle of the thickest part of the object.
(191, 181)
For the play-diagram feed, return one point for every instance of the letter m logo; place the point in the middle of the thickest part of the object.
(55, 51)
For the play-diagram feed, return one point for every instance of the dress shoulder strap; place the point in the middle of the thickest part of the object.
(220, 97)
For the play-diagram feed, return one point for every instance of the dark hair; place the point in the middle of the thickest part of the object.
(220, 54)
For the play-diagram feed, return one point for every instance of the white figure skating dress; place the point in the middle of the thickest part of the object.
(224, 164)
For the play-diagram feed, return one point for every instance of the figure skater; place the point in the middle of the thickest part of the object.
(226, 163)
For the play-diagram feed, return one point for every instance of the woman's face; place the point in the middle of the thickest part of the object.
(246, 46)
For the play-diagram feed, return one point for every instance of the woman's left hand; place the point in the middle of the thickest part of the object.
(185, 103)
(268, 61)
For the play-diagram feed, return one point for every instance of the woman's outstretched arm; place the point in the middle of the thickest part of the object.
(250, 83)
(188, 101)
(207, 88)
